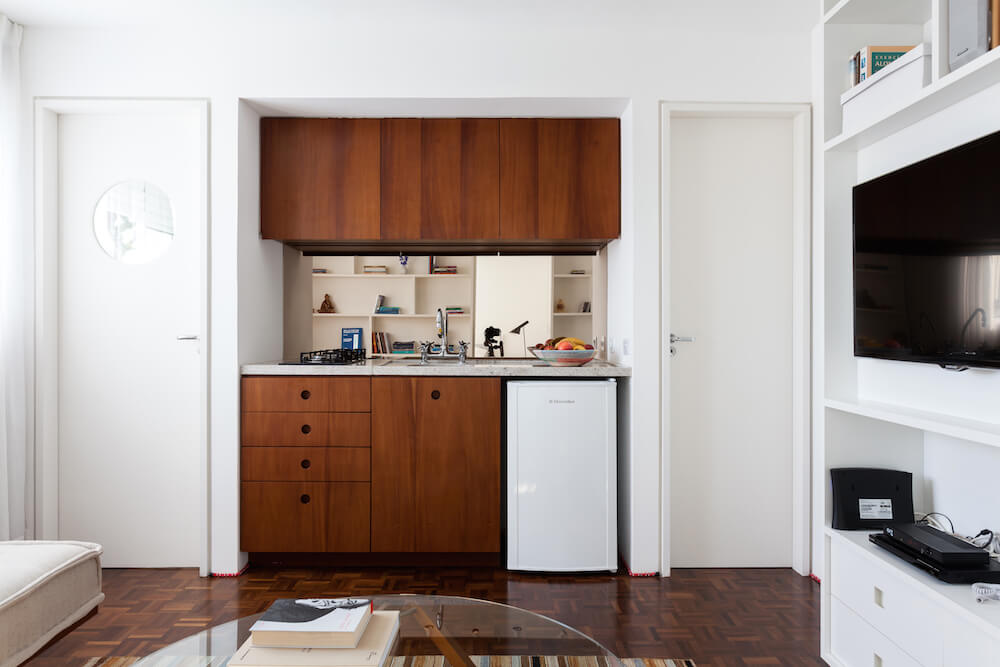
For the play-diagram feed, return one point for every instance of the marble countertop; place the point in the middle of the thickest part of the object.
(473, 368)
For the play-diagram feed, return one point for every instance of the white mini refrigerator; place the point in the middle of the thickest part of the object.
(562, 475)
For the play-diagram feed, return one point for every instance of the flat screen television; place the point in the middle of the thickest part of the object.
(927, 260)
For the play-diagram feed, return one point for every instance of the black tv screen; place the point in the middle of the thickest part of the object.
(927, 260)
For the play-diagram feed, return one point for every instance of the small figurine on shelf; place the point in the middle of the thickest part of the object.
(403, 260)
(327, 305)
(560, 306)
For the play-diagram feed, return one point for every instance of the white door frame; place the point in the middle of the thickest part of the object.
(801, 117)
(46, 196)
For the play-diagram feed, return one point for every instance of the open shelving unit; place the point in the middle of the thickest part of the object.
(903, 429)
(417, 292)
(574, 289)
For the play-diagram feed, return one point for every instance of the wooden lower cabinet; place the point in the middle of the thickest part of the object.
(435, 464)
(305, 516)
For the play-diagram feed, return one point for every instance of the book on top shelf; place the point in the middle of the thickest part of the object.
(372, 650)
(313, 623)
(873, 58)
(375, 268)
(350, 338)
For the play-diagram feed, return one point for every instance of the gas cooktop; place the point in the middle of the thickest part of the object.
(340, 357)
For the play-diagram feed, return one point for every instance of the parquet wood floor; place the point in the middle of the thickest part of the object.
(716, 617)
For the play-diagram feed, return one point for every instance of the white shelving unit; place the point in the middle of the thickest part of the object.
(574, 289)
(849, 429)
(416, 291)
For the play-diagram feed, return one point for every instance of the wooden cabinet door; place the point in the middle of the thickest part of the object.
(394, 431)
(440, 178)
(436, 464)
(457, 486)
(560, 178)
(319, 178)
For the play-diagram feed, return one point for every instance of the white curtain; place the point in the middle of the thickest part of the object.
(16, 366)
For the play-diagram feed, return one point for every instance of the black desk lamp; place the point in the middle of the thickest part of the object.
(519, 329)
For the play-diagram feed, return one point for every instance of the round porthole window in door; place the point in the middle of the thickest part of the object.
(133, 222)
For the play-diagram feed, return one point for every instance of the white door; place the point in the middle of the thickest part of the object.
(130, 296)
(731, 262)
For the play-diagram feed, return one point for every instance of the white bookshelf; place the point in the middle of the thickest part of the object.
(903, 431)
(413, 288)
(574, 289)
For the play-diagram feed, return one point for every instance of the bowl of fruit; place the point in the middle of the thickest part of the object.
(564, 351)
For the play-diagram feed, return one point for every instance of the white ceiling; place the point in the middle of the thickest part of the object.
(779, 15)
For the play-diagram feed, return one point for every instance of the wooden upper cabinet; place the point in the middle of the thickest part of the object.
(319, 178)
(560, 178)
(440, 179)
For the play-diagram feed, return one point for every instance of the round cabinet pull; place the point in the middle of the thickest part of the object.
(305, 394)
(305, 464)
(306, 428)
(304, 498)
(435, 394)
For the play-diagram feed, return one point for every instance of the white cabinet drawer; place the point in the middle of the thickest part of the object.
(884, 600)
(855, 643)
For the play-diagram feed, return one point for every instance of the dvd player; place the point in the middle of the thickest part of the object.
(943, 556)
(944, 549)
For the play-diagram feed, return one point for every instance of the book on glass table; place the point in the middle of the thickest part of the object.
(372, 651)
(313, 623)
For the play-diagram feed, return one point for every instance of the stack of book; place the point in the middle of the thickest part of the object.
(404, 347)
(317, 270)
(454, 310)
(387, 310)
(375, 268)
(380, 342)
(444, 270)
(870, 59)
(341, 632)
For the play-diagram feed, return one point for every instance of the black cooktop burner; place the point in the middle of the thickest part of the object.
(341, 357)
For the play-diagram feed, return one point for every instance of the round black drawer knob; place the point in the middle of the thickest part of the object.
(435, 394)
(305, 394)
(306, 428)
(305, 464)
(304, 498)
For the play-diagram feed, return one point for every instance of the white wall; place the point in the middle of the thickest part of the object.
(510, 290)
(642, 51)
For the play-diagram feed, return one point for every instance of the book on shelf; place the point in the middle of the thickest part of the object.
(994, 23)
(379, 300)
(317, 270)
(873, 58)
(375, 268)
(313, 623)
(577, 272)
(372, 650)
(387, 310)
(403, 346)
(351, 337)
(439, 270)
(854, 70)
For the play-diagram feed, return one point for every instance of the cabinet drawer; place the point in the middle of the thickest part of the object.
(305, 516)
(857, 644)
(305, 464)
(887, 602)
(302, 393)
(307, 429)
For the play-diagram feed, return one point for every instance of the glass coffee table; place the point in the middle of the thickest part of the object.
(462, 630)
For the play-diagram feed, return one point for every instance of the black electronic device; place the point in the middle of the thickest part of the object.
(944, 549)
(868, 498)
(926, 243)
(921, 539)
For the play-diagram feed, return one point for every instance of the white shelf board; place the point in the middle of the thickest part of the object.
(391, 275)
(572, 314)
(916, 12)
(946, 91)
(934, 422)
(957, 598)
(572, 275)
(400, 316)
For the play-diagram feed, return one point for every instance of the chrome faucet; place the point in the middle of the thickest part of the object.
(441, 323)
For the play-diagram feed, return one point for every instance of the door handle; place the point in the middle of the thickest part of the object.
(678, 339)
(188, 337)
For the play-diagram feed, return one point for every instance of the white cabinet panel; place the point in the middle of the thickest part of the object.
(857, 644)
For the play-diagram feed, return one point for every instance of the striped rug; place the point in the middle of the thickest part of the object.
(419, 661)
